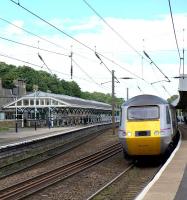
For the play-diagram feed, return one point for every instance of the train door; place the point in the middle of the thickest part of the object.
(168, 119)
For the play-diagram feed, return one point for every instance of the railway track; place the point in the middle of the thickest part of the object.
(10, 166)
(128, 184)
(111, 182)
(26, 163)
(33, 185)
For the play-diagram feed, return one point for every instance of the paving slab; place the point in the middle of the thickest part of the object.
(172, 181)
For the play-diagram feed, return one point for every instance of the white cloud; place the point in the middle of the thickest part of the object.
(12, 30)
(158, 35)
(94, 24)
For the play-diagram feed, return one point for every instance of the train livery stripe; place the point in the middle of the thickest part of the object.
(143, 145)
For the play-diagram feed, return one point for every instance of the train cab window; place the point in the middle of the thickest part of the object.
(143, 112)
(168, 118)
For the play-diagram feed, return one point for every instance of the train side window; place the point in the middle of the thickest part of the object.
(168, 119)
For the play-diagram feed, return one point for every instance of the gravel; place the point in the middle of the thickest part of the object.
(129, 185)
(81, 185)
(84, 184)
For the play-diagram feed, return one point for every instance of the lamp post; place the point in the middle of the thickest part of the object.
(127, 94)
(113, 98)
(15, 95)
(113, 104)
(16, 116)
(127, 78)
(35, 127)
(35, 88)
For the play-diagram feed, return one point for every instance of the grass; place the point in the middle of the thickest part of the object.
(4, 129)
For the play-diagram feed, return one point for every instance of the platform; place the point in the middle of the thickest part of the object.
(171, 182)
(11, 138)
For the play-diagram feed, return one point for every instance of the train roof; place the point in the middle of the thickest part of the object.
(141, 100)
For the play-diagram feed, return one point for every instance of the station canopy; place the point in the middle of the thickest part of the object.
(181, 101)
(40, 99)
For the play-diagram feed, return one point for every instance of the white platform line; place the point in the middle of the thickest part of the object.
(147, 188)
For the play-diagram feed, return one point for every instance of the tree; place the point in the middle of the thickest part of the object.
(172, 98)
(8, 74)
(48, 82)
(74, 88)
(98, 96)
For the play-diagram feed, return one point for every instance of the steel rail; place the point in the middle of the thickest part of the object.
(68, 148)
(111, 182)
(32, 185)
(26, 162)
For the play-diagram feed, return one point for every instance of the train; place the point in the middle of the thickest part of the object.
(148, 126)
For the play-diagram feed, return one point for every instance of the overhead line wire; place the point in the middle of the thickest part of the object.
(50, 24)
(13, 58)
(117, 33)
(42, 38)
(40, 57)
(166, 90)
(81, 43)
(86, 73)
(39, 49)
(152, 62)
(26, 62)
(174, 29)
(175, 34)
(23, 61)
(28, 45)
(102, 61)
(104, 64)
(120, 36)
(48, 41)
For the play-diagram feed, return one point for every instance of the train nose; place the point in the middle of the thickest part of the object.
(145, 138)
(143, 146)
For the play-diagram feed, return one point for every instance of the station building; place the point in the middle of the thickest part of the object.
(47, 109)
(181, 102)
(10, 95)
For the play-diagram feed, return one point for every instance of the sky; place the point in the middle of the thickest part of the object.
(120, 34)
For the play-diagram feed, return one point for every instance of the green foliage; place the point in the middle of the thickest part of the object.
(4, 129)
(7, 74)
(98, 96)
(172, 98)
(48, 82)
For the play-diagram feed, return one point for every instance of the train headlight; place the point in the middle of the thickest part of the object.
(129, 134)
(156, 133)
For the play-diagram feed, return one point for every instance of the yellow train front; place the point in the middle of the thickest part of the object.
(147, 126)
